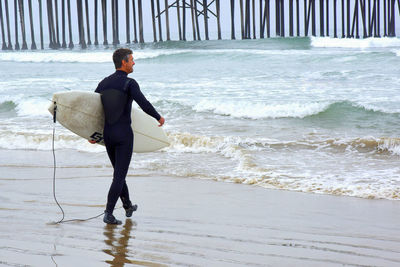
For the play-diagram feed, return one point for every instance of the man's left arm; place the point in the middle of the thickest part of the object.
(143, 103)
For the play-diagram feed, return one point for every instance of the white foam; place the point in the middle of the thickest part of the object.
(253, 51)
(244, 109)
(390, 144)
(33, 107)
(43, 141)
(354, 43)
(25, 106)
(66, 56)
(384, 108)
(78, 56)
(191, 143)
(241, 154)
(359, 182)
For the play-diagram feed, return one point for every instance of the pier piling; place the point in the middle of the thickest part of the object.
(184, 7)
(134, 21)
(41, 25)
(71, 42)
(3, 36)
(16, 25)
(298, 18)
(153, 18)
(22, 17)
(64, 42)
(33, 45)
(167, 19)
(9, 47)
(193, 15)
(159, 22)
(290, 18)
(178, 17)
(141, 38)
(205, 15)
(57, 28)
(89, 42)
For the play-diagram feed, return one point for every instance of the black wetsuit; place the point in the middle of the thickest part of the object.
(118, 136)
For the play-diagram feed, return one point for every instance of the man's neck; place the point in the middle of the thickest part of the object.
(122, 69)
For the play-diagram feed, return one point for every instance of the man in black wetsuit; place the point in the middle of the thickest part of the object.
(117, 93)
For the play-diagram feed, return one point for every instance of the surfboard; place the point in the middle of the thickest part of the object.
(82, 113)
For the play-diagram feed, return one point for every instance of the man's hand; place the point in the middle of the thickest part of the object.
(92, 141)
(161, 121)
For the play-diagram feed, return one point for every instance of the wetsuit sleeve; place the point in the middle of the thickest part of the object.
(141, 100)
(98, 88)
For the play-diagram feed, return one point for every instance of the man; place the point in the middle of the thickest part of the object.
(117, 93)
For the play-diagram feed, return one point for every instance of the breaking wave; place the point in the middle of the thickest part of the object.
(244, 109)
(30, 107)
(78, 56)
(241, 154)
(354, 43)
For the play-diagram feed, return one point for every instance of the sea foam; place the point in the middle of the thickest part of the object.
(101, 56)
(38, 140)
(244, 109)
(354, 43)
(27, 107)
(78, 57)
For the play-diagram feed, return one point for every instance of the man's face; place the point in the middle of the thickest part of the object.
(129, 64)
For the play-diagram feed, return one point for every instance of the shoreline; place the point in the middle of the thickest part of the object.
(187, 221)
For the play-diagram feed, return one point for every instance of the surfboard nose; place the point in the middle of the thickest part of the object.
(51, 108)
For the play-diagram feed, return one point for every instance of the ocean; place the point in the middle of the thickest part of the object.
(317, 115)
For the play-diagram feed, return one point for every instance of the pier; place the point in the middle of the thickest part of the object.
(192, 20)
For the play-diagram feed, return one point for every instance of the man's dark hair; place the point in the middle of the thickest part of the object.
(119, 55)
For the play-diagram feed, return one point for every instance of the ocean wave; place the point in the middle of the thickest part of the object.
(229, 147)
(43, 141)
(244, 166)
(244, 109)
(391, 145)
(236, 147)
(251, 110)
(30, 107)
(79, 56)
(372, 145)
(375, 108)
(248, 171)
(106, 57)
(232, 147)
(7, 106)
(329, 186)
(354, 43)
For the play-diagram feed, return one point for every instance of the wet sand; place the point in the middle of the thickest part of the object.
(181, 221)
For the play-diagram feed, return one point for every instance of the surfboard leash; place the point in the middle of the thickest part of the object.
(55, 163)
(54, 176)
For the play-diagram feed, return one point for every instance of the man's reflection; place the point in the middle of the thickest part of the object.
(118, 245)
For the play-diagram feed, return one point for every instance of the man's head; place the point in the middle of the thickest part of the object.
(123, 60)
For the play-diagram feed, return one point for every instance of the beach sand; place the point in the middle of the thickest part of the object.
(181, 221)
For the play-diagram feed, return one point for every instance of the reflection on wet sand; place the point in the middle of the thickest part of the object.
(118, 248)
(118, 245)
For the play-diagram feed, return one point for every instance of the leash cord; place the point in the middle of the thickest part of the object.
(54, 178)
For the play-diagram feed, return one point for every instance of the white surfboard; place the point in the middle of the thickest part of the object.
(82, 113)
